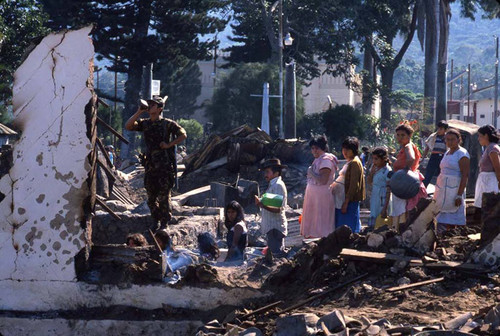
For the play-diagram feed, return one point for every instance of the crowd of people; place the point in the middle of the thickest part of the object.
(449, 161)
(333, 194)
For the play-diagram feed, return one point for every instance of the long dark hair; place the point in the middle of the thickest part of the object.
(319, 141)
(240, 214)
(381, 152)
(491, 132)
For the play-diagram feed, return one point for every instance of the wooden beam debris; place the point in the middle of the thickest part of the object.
(414, 285)
(112, 130)
(108, 209)
(378, 257)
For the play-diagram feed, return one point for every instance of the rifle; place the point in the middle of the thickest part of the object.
(174, 159)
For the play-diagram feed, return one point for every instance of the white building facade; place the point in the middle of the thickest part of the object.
(318, 94)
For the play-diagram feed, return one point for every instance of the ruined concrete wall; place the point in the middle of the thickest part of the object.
(41, 213)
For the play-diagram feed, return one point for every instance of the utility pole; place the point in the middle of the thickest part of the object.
(290, 102)
(468, 91)
(451, 84)
(215, 60)
(461, 98)
(495, 101)
(280, 44)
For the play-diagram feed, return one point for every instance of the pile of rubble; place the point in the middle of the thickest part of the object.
(392, 284)
(237, 154)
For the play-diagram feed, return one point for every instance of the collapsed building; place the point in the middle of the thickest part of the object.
(64, 216)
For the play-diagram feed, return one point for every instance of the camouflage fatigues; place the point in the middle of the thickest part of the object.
(159, 166)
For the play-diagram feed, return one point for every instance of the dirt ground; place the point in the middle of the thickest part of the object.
(302, 277)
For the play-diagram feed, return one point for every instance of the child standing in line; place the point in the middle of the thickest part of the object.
(378, 177)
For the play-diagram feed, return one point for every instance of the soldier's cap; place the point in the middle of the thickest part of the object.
(158, 100)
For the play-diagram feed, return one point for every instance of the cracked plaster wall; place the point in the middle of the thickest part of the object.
(40, 231)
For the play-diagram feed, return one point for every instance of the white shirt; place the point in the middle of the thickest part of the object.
(271, 220)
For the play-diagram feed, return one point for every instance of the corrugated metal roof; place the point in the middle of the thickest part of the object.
(4, 130)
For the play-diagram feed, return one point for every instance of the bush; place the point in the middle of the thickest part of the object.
(310, 124)
(194, 131)
(343, 121)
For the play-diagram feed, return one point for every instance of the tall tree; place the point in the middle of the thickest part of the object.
(182, 84)
(444, 31)
(490, 8)
(379, 22)
(432, 21)
(21, 21)
(134, 33)
(329, 36)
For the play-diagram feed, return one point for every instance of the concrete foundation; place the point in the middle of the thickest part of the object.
(63, 295)
(11, 326)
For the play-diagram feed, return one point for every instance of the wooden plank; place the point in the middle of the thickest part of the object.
(108, 171)
(104, 152)
(105, 207)
(377, 257)
(182, 198)
(413, 285)
(112, 130)
(102, 102)
(261, 310)
(212, 165)
(455, 265)
(206, 152)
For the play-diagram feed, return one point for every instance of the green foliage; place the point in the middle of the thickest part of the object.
(132, 34)
(343, 121)
(21, 21)
(407, 100)
(232, 104)
(112, 118)
(5, 115)
(194, 131)
(309, 125)
(328, 36)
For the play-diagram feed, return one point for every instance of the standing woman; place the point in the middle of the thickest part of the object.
(318, 214)
(354, 187)
(407, 158)
(489, 165)
(451, 183)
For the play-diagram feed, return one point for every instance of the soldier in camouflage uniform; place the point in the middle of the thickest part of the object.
(160, 135)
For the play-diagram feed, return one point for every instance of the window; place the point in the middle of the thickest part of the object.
(481, 116)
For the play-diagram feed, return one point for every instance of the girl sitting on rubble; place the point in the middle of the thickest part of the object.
(378, 177)
(237, 238)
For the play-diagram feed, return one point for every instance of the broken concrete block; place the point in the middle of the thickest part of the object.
(334, 321)
(488, 255)
(296, 325)
(374, 240)
(493, 317)
(118, 206)
(42, 214)
(251, 332)
(223, 193)
(420, 236)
